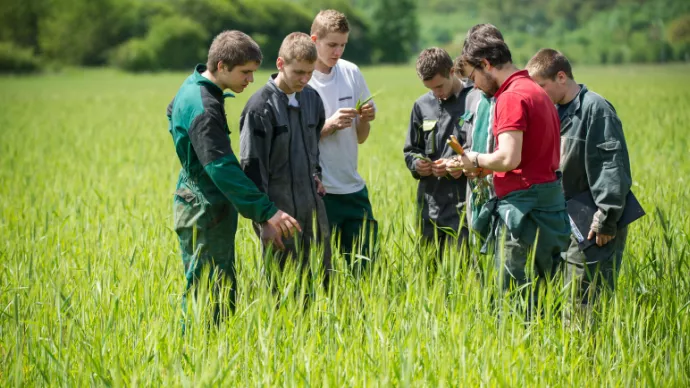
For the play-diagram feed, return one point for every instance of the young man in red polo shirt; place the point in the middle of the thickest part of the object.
(530, 201)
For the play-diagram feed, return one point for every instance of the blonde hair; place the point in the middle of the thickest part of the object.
(298, 46)
(328, 21)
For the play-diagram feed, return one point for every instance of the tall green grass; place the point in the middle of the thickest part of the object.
(91, 279)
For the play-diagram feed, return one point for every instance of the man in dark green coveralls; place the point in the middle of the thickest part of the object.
(594, 157)
(212, 188)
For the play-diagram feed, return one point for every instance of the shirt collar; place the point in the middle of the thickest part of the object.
(513, 77)
(215, 90)
(273, 86)
(576, 103)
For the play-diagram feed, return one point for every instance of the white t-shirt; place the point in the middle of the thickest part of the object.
(341, 88)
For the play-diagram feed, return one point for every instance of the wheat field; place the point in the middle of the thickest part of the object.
(92, 280)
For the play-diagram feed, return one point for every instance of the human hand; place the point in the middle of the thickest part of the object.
(422, 167)
(320, 190)
(439, 168)
(367, 113)
(342, 119)
(602, 239)
(454, 168)
(284, 224)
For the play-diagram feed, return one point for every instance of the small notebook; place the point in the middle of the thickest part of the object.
(581, 209)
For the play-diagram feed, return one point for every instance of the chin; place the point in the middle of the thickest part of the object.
(238, 89)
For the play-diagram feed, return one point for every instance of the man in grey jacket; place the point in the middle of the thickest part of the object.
(279, 134)
(438, 114)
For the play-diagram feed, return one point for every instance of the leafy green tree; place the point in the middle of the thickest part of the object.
(80, 32)
(679, 36)
(395, 30)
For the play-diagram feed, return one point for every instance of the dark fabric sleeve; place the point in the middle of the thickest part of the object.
(319, 127)
(414, 144)
(608, 172)
(209, 137)
(255, 147)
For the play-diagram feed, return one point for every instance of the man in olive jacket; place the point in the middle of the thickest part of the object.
(594, 157)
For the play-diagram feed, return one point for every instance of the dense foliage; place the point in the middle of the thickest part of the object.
(143, 35)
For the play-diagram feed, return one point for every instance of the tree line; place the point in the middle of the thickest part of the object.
(151, 35)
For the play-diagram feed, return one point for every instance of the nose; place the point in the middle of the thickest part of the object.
(250, 78)
(338, 51)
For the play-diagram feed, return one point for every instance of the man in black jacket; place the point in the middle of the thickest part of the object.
(438, 114)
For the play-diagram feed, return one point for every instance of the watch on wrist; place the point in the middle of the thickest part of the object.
(475, 162)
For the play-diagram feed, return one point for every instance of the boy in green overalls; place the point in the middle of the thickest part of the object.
(211, 188)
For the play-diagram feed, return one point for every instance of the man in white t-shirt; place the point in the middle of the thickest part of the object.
(341, 84)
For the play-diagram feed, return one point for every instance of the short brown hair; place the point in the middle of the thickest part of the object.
(433, 61)
(298, 46)
(459, 66)
(233, 48)
(328, 21)
(546, 63)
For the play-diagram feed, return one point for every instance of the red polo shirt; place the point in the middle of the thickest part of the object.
(522, 105)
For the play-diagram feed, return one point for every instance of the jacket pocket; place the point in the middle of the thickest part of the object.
(429, 130)
(609, 153)
(187, 208)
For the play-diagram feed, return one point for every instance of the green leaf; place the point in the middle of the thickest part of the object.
(361, 103)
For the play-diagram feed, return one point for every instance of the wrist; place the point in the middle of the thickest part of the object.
(475, 161)
(330, 127)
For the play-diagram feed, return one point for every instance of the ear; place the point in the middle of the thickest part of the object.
(561, 78)
(486, 65)
(280, 63)
(219, 66)
(313, 38)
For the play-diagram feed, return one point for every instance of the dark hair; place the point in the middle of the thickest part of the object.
(485, 29)
(485, 42)
(433, 61)
(546, 63)
(233, 48)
